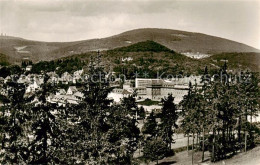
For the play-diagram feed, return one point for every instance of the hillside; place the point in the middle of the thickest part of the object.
(151, 57)
(18, 49)
(3, 60)
(144, 46)
(142, 58)
(236, 61)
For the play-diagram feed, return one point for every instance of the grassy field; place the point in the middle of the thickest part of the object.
(251, 157)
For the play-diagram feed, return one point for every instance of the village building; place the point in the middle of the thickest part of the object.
(61, 92)
(79, 95)
(71, 90)
(7, 79)
(66, 78)
(31, 88)
(28, 68)
(2, 80)
(128, 86)
(118, 94)
(62, 100)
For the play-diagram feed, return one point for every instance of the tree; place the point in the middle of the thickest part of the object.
(185, 105)
(141, 112)
(150, 127)
(45, 129)
(123, 135)
(130, 103)
(247, 91)
(14, 147)
(205, 97)
(102, 132)
(90, 116)
(4, 72)
(192, 113)
(168, 119)
(155, 149)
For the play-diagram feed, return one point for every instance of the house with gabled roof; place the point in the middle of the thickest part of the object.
(79, 95)
(61, 92)
(71, 90)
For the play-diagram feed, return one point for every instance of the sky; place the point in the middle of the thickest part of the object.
(72, 20)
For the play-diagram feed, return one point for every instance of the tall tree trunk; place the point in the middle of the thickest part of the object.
(198, 135)
(188, 142)
(170, 145)
(239, 129)
(45, 146)
(251, 115)
(203, 144)
(213, 146)
(192, 148)
(139, 148)
(245, 140)
(251, 121)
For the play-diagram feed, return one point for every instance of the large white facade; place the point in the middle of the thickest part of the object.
(156, 89)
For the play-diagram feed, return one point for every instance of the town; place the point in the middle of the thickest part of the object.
(122, 82)
(146, 88)
(146, 100)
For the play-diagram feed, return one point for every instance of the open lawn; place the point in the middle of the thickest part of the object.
(251, 157)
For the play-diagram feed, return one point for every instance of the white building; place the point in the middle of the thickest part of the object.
(156, 89)
(33, 87)
(28, 68)
(71, 90)
(117, 94)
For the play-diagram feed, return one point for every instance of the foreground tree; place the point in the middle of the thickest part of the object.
(14, 145)
(168, 119)
(150, 126)
(155, 149)
(192, 113)
(103, 132)
(45, 132)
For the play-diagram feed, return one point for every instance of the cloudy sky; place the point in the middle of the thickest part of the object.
(70, 20)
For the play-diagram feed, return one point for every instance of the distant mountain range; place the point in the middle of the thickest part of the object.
(18, 49)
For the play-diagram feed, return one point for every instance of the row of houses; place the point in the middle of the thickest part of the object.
(62, 97)
(33, 82)
(153, 89)
(67, 78)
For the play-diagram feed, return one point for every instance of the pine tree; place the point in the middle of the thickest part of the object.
(150, 126)
(141, 112)
(205, 108)
(103, 132)
(185, 105)
(169, 117)
(14, 145)
(45, 129)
